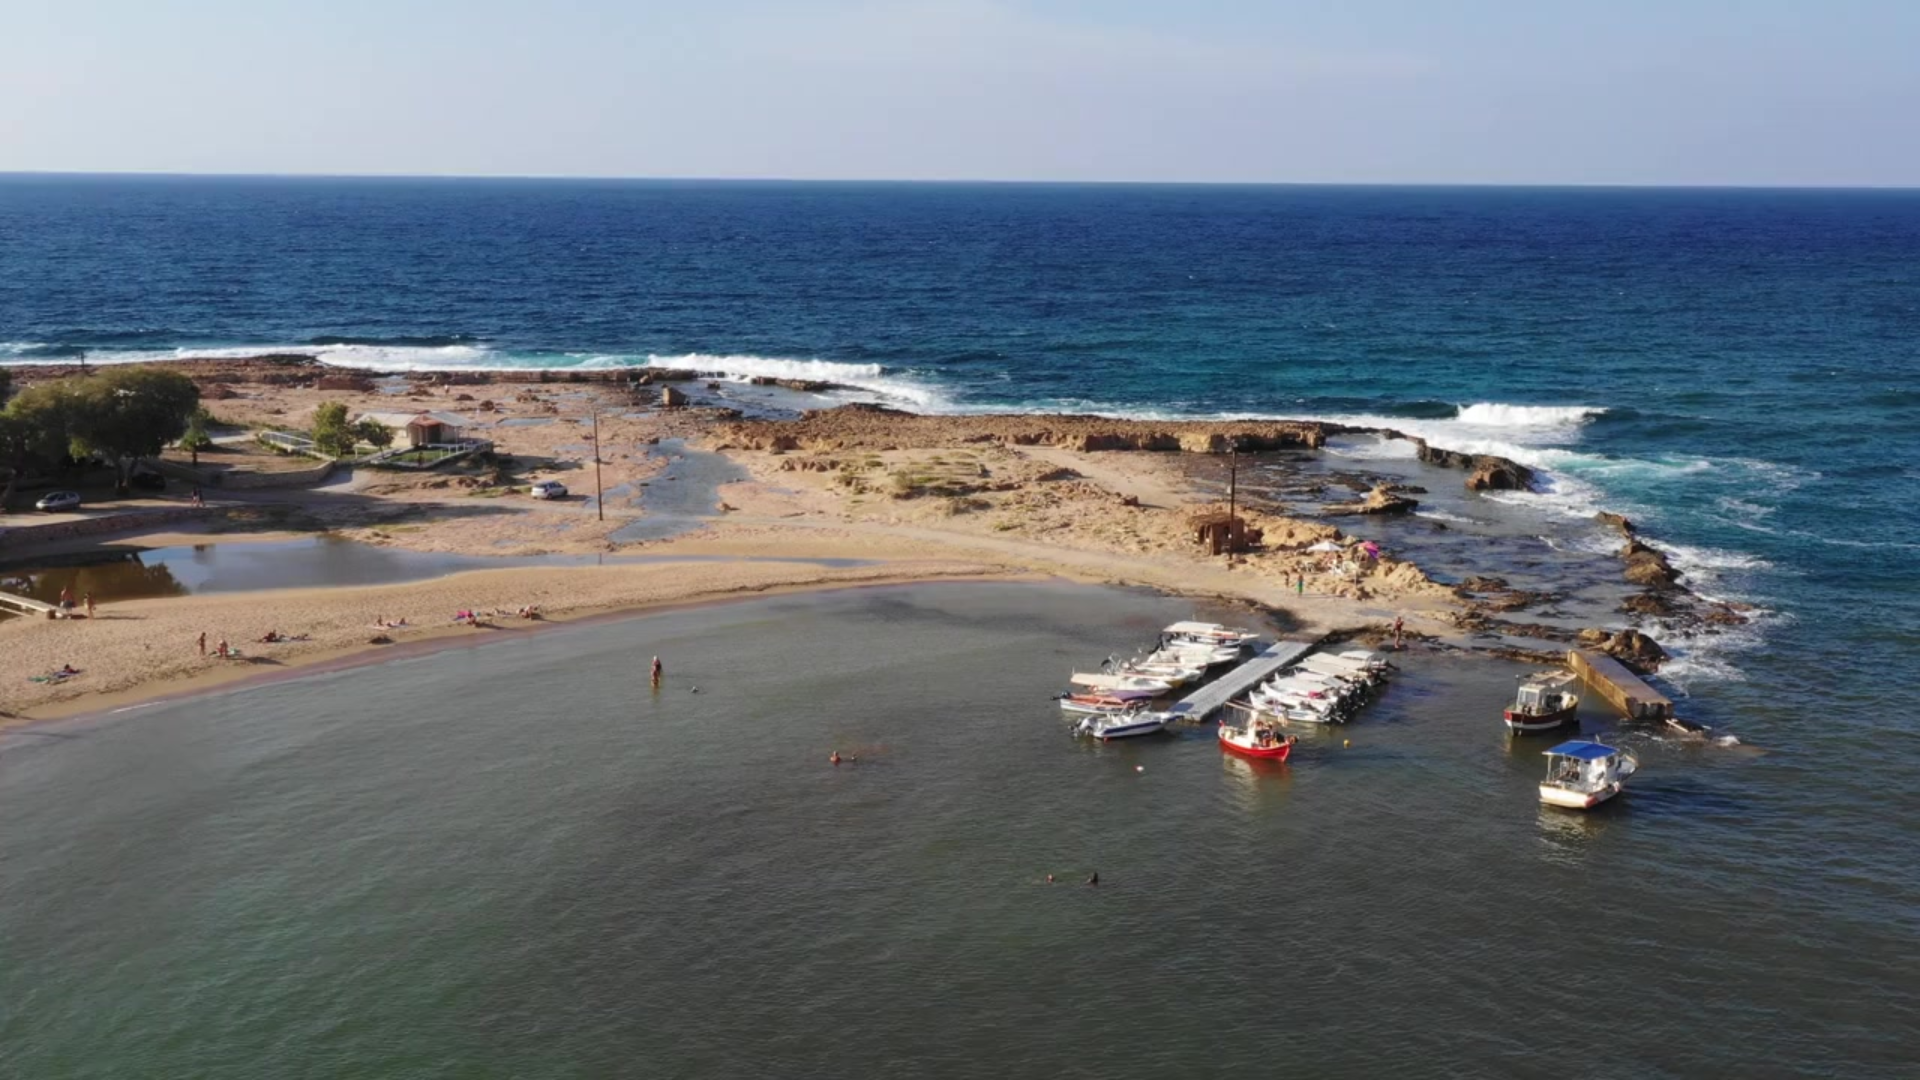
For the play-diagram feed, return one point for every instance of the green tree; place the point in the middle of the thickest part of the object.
(6, 383)
(125, 414)
(37, 431)
(374, 434)
(196, 438)
(331, 432)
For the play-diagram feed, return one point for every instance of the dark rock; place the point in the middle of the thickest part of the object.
(1482, 583)
(1653, 602)
(672, 398)
(1647, 565)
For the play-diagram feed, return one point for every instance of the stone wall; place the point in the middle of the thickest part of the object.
(22, 536)
(244, 479)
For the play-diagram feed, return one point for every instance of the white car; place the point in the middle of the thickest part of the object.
(549, 489)
(58, 500)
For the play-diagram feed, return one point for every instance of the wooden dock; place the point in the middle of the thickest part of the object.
(1620, 687)
(38, 609)
(1211, 698)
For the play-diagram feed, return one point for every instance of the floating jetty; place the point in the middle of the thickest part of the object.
(1203, 703)
(1622, 688)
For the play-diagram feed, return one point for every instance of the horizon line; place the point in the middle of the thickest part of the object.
(943, 181)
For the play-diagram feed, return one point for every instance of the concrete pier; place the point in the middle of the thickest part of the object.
(1211, 698)
(1621, 688)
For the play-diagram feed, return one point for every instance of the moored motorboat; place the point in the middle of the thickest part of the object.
(1256, 737)
(1098, 703)
(1543, 702)
(1582, 775)
(1205, 633)
(1122, 685)
(1124, 725)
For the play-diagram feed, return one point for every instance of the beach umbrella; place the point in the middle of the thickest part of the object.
(1325, 545)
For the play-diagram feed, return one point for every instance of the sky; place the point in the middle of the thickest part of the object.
(1738, 92)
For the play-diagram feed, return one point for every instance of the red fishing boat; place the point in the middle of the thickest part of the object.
(1256, 738)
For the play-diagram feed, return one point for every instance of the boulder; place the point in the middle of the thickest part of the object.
(1498, 474)
(1380, 500)
(1616, 522)
(1635, 649)
(672, 398)
(1647, 565)
(1653, 602)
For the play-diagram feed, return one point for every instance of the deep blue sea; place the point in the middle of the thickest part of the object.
(1738, 370)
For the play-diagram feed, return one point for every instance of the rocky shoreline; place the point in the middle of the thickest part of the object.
(821, 439)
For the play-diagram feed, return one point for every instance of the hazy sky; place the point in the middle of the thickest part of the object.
(1471, 91)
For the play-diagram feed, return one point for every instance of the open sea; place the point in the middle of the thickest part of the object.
(365, 874)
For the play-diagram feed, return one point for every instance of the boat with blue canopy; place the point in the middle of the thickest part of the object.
(1582, 774)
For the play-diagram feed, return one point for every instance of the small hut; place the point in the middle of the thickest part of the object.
(1222, 533)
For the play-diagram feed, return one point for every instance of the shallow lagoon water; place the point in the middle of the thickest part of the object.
(517, 860)
(239, 565)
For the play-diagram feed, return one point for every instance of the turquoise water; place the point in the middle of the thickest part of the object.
(517, 861)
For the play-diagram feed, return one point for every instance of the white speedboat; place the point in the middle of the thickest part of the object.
(1582, 775)
(1173, 674)
(1099, 704)
(1122, 685)
(1203, 656)
(1124, 725)
(1329, 664)
(1206, 633)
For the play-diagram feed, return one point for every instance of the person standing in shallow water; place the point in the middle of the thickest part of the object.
(657, 670)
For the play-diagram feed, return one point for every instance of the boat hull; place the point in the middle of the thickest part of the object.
(1578, 800)
(1239, 744)
(1522, 722)
(1123, 729)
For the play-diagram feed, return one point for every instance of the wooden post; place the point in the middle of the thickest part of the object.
(599, 500)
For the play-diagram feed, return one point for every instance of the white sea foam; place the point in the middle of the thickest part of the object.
(872, 378)
(1496, 414)
(1442, 515)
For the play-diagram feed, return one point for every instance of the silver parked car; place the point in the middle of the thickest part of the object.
(58, 500)
(549, 489)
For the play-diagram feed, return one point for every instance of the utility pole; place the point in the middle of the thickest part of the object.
(599, 500)
(1233, 491)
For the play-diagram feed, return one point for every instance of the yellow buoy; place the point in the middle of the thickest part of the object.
(1346, 742)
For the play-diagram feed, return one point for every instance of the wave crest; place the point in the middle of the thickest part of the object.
(873, 378)
(1496, 414)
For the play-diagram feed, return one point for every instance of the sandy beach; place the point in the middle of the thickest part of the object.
(909, 498)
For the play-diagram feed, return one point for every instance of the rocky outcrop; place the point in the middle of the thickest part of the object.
(1630, 647)
(1647, 565)
(876, 427)
(1485, 472)
(1380, 500)
(1616, 522)
(672, 398)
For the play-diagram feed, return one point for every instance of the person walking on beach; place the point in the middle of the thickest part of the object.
(87, 599)
(203, 643)
(222, 651)
(196, 498)
(1399, 624)
(66, 598)
(1300, 585)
